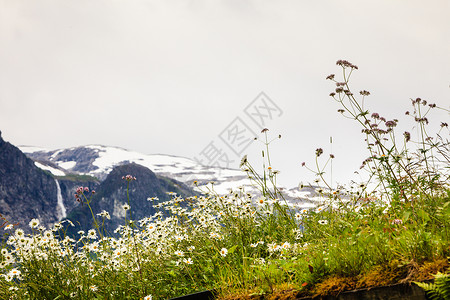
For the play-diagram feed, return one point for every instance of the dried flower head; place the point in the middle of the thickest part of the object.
(391, 124)
(319, 152)
(243, 161)
(364, 93)
(407, 136)
(346, 64)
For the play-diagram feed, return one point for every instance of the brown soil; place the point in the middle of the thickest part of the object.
(393, 273)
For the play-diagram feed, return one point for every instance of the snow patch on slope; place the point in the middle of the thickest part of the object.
(54, 171)
(67, 164)
(31, 149)
(180, 168)
(110, 157)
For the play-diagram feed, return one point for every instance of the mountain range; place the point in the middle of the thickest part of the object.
(98, 161)
(41, 183)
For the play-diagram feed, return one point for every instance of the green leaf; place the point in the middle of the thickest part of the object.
(406, 215)
(232, 249)
(424, 215)
(172, 273)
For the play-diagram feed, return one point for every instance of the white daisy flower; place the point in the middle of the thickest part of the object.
(93, 288)
(286, 246)
(224, 252)
(34, 223)
(188, 261)
(92, 234)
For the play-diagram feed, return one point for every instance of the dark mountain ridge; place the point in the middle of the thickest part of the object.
(26, 191)
(111, 195)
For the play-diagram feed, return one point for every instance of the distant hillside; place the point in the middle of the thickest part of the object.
(111, 195)
(98, 161)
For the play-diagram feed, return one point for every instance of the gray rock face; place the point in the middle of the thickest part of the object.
(81, 155)
(26, 191)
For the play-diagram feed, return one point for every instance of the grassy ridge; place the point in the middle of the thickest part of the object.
(77, 178)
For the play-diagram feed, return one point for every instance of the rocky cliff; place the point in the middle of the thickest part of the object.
(26, 191)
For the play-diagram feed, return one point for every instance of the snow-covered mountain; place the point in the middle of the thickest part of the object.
(98, 161)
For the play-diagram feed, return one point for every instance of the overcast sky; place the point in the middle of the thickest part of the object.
(172, 77)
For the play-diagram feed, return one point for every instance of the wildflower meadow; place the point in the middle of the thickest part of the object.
(392, 228)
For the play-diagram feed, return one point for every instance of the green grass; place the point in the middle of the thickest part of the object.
(392, 228)
(77, 178)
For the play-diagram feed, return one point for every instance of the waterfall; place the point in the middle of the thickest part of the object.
(62, 210)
